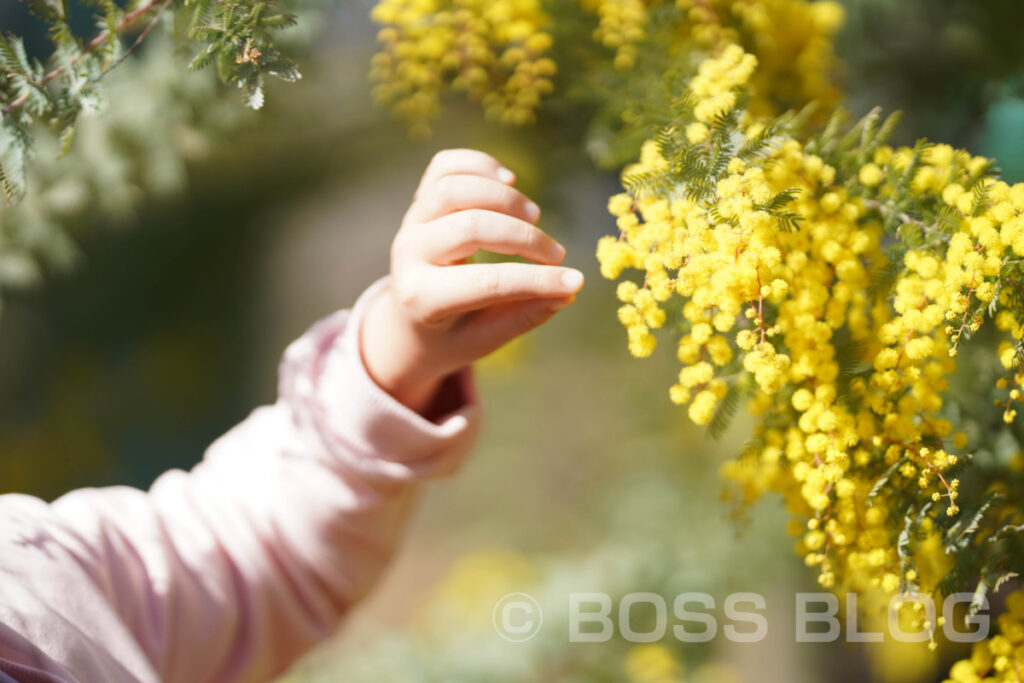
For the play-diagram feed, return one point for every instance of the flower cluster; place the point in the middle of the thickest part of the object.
(622, 27)
(715, 86)
(497, 52)
(832, 281)
(494, 51)
(792, 40)
(1001, 657)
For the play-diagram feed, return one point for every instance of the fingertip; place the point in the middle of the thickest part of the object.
(556, 252)
(531, 211)
(559, 304)
(572, 280)
(506, 176)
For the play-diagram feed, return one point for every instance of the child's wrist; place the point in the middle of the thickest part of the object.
(393, 356)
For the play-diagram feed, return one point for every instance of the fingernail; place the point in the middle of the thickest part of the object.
(506, 176)
(556, 251)
(572, 279)
(532, 211)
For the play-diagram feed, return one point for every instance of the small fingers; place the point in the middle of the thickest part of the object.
(457, 192)
(488, 330)
(434, 294)
(458, 235)
(465, 162)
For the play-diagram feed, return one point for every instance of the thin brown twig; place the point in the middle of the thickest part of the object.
(89, 47)
(138, 41)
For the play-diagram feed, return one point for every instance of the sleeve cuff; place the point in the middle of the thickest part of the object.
(360, 423)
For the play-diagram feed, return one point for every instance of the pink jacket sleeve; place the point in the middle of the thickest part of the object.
(232, 570)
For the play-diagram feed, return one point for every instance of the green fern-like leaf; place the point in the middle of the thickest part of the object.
(725, 411)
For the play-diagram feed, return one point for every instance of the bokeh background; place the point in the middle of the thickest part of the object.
(225, 233)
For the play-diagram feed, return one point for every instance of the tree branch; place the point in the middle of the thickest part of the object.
(889, 210)
(89, 47)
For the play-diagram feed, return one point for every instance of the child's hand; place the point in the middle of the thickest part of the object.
(440, 314)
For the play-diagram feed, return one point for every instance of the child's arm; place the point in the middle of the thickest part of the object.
(232, 570)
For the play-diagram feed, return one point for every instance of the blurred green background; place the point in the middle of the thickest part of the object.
(168, 331)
